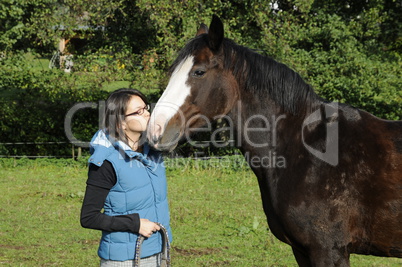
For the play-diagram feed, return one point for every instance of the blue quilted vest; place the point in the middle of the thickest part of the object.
(141, 188)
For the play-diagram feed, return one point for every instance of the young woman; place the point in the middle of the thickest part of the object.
(126, 188)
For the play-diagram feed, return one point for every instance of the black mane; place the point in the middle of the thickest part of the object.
(262, 75)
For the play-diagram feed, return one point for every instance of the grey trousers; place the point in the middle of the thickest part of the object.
(152, 261)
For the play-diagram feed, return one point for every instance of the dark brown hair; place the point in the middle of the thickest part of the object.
(115, 109)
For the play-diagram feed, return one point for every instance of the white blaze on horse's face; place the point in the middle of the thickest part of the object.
(169, 105)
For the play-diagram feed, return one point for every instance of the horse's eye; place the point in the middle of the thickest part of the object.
(198, 73)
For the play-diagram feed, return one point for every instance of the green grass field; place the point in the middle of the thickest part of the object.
(216, 214)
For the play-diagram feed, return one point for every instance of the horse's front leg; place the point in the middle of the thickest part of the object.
(321, 257)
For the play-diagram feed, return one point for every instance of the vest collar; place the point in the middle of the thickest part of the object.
(102, 142)
(131, 153)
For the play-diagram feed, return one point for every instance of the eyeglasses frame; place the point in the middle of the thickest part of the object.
(139, 112)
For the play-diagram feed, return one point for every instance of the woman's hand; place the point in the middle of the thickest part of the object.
(147, 228)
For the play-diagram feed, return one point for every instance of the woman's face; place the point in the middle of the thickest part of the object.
(135, 123)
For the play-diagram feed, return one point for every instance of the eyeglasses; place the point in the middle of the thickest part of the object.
(139, 112)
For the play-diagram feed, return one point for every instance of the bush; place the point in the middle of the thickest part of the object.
(349, 53)
(34, 105)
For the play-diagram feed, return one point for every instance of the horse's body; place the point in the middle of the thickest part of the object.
(336, 185)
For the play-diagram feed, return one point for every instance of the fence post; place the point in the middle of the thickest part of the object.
(73, 151)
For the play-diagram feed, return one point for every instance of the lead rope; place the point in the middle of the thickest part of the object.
(165, 261)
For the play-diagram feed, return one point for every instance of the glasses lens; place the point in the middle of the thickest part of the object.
(140, 111)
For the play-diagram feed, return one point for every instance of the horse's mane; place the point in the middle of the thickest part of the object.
(260, 74)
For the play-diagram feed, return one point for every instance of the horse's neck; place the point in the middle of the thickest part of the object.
(273, 108)
(262, 124)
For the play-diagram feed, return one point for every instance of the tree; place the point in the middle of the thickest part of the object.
(348, 51)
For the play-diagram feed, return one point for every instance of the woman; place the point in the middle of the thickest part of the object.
(126, 179)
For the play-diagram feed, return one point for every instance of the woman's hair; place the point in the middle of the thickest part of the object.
(115, 109)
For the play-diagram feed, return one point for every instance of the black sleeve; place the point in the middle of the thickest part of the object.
(100, 181)
(103, 176)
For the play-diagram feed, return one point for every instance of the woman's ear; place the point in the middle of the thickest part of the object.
(124, 125)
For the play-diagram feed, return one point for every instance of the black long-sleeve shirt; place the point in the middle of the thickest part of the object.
(100, 181)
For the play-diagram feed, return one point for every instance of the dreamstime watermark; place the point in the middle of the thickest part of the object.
(257, 131)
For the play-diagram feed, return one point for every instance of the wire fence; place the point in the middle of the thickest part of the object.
(78, 149)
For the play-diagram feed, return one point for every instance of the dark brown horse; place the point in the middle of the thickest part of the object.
(330, 175)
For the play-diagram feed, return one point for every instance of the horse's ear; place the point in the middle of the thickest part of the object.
(203, 29)
(215, 33)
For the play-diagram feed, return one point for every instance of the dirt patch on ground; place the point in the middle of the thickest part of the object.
(11, 247)
(89, 242)
(197, 251)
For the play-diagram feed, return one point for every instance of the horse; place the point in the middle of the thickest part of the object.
(335, 187)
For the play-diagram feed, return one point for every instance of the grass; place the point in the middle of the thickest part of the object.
(111, 86)
(216, 214)
(40, 64)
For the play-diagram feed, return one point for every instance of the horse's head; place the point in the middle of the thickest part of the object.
(199, 89)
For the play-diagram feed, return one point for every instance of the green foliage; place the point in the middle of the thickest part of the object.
(339, 53)
(39, 24)
(339, 48)
(340, 68)
(349, 52)
(34, 105)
